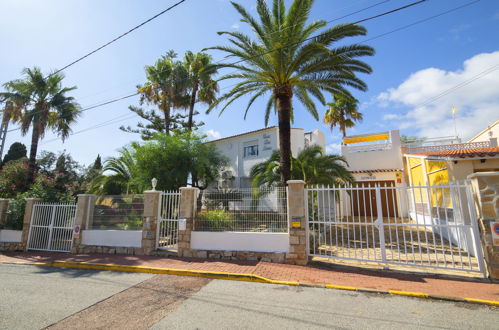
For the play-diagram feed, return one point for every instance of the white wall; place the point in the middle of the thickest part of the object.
(492, 131)
(7, 235)
(233, 149)
(267, 141)
(377, 159)
(235, 241)
(120, 238)
(297, 141)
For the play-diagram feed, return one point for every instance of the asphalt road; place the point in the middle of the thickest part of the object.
(243, 305)
(37, 297)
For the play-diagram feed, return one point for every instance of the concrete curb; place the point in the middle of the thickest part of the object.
(243, 277)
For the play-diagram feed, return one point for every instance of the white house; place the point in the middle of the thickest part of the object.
(380, 162)
(247, 149)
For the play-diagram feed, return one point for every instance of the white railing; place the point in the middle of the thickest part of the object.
(431, 227)
(51, 227)
(167, 229)
(445, 147)
(243, 210)
(368, 147)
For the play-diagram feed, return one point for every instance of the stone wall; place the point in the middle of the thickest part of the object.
(297, 234)
(297, 222)
(188, 201)
(278, 257)
(486, 195)
(85, 249)
(11, 246)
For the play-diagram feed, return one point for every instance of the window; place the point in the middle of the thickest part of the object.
(245, 182)
(251, 151)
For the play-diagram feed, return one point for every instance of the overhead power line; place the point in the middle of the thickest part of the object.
(118, 37)
(462, 84)
(291, 26)
(286, 45)
(321, 34)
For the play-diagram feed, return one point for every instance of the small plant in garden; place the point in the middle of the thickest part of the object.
(133, 222)
(214, 220)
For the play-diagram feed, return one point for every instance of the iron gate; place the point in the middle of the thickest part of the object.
(52, 227)
(167, 229)
(423, 226)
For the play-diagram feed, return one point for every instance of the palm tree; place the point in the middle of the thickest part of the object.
(40, 102)
(311, 165)
(343, 112)
(203, 88)
(286, 61)
(166, 86)
(123, 169)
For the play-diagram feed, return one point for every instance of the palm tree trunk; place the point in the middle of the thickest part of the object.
(284, 116)
(35, 136)
(343, 127)
(193, 101)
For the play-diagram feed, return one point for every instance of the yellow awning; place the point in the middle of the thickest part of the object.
(366, 138)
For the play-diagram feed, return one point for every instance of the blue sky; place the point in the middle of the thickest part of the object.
(410, 66)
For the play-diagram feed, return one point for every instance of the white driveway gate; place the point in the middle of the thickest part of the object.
(167, 229)
(422, 226)
(52, 227)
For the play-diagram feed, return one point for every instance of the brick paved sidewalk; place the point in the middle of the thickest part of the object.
(361, 278)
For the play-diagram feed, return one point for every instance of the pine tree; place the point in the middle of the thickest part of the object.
(60, 165)
(16, 151)
(98, 163)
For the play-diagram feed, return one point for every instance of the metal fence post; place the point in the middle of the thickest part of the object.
(475, 231)
(28, 216)
(381, 227)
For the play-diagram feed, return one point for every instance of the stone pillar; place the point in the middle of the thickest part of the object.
(297, 222)
(4, 206)
(84, 213)
(486, 195)
(152, 199)
(188, 201)
(28, 212)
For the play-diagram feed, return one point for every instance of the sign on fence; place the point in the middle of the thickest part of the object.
(494, 227)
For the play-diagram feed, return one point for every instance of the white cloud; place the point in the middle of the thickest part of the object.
(235, 26)
(477, 101)
(212, 134)
(391, 116)
(333, 148)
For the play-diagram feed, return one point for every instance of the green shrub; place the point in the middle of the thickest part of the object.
(214, 220)
(132, 222)
(13, 178)
(15, 214)
(44, 188)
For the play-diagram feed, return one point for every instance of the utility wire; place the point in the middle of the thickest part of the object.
(460, 85)
(291, 26)
(428, 101)
(118, 37)
(272, 50)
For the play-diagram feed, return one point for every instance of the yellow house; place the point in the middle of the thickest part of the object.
(441, 165)
(383, 159)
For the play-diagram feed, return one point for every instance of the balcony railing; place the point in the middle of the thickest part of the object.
(368, 147)
(457, 146)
